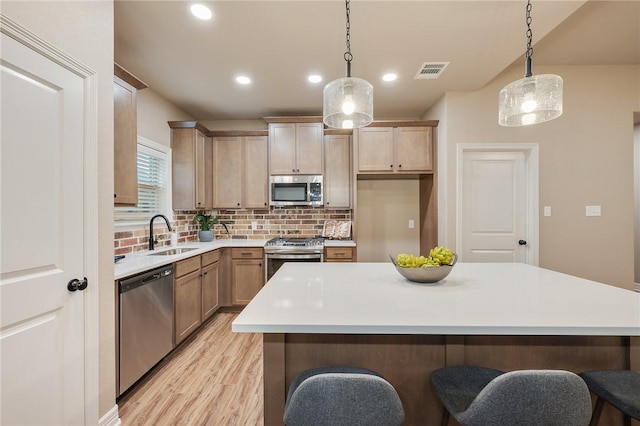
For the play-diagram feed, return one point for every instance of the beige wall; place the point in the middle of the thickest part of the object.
(383, 213)
(585, 159)
(84, 30)
(154, 112)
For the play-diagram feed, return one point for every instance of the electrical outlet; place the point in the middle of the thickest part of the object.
(547, 211)
(412, 224)
(593, 211)
(254, 225)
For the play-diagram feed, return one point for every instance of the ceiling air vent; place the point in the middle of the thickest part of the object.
(431, 70)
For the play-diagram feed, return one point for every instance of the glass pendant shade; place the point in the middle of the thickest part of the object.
(348, 103)
(530, 100)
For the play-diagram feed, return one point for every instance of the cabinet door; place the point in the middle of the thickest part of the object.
(256, 173)
(338, 254)
(375, 149)
(200, 171)
(309, 148)
(125, 143)
(414, 149)
(282, 148)
(188, 305)
(247, 278)
(227, 190)
(210, 299)
(337, 171)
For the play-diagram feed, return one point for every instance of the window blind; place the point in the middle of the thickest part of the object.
(152, 186)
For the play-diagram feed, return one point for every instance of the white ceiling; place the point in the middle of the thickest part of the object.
(193, 63)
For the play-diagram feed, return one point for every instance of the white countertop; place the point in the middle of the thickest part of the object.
(135, 263)
(476, 298)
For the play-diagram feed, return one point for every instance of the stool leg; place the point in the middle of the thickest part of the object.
(597, 410)
(445, 417)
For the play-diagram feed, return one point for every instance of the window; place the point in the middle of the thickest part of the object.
(153, 185)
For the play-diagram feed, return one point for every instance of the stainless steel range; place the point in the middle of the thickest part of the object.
(277, 251)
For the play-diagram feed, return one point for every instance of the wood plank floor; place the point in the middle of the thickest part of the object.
(215, 378)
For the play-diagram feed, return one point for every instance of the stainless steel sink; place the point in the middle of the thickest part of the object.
(172, 251)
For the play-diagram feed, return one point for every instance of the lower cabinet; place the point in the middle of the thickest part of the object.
(210, 283)
(187, 293)
(339, 254)
(247, 274)
(196, 292)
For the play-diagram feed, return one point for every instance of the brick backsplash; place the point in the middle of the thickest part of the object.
(295, 221)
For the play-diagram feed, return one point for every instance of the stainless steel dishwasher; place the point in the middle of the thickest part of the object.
(146, 323)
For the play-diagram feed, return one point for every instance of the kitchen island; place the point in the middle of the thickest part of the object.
(506, 316)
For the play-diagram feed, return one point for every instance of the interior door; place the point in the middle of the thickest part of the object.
(42, 323)
(493, 207)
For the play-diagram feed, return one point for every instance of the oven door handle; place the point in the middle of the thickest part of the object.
(294, 256)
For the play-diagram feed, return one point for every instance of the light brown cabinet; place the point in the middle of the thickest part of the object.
(187, 293)
(395, 150)
(210, 283)
(295, 148)
(240, 177)
(339, 254)
(192, 168)
(337, 171)
(125, 137)
(247, 274)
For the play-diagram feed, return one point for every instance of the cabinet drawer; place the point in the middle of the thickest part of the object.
(340, 253)
(210, 257)
(246, 253)
(188, 265)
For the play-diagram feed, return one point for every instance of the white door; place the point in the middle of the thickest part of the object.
(493, 207)
(42, 322)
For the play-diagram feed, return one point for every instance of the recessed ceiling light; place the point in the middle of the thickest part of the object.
(314, 78)
(389, 77)
(243, 79)
(201, 11)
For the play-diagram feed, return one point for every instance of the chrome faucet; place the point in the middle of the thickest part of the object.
(153, 241)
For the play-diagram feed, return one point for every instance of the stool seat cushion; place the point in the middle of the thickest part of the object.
(478, 396)
(620, 388)
(336, 396)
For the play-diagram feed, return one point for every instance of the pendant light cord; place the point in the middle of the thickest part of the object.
(529, 53)
(347, 55)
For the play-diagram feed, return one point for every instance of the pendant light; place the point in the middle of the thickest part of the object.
(348, 101)
(532, 99)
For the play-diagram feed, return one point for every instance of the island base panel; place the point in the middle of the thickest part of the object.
(407, 361)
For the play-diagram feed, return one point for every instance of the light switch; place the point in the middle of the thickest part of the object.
(412, 224)
(593, 211)
(547, 211)
(254, 225)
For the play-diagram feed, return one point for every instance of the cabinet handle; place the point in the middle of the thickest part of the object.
(238, 204)
(293, 170)
(259, 264)
(399, 165)
(297, 170)
(246, 254)
(391, 165)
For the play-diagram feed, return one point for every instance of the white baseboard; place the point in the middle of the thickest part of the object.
(111, 418)
(638, 287)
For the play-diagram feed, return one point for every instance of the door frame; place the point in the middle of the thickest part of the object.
(90, 207)
(531, 151)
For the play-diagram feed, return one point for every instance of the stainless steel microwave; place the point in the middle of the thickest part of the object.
(295, 190)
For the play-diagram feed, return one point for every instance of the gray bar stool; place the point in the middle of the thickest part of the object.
(339, 396)
(620, 388)
(478, 396)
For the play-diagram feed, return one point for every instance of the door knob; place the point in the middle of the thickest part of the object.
(522, 242)
(76, 284)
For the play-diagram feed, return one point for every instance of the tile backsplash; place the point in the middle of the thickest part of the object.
(295, 221)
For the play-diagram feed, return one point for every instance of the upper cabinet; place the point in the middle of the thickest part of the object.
(295, 147)
(192, 166)
(395, 148)
(337, 171)
(240, 172)
(125, 135)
